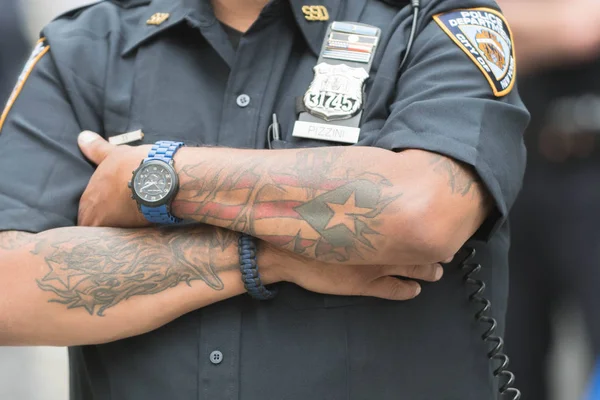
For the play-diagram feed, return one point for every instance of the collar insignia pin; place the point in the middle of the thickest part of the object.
(315, 13)
(158, 18)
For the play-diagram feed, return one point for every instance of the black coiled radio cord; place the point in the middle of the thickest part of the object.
(495, 354)
(489, 337)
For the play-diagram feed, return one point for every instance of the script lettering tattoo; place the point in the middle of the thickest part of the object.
(96, 273)
(461, 179)
(318, 208)
(10, 240)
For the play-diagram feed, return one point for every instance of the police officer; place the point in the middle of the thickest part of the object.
(380, 169)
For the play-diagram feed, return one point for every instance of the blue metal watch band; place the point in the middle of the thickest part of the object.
(163, 150)
(249, 268)
(159, 215)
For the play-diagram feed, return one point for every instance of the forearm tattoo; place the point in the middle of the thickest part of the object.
(11, 240)
(317, 207)
(97, 272)
(461, 179)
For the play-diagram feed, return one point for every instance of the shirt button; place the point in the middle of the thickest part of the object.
(216, 357)
(243, 100)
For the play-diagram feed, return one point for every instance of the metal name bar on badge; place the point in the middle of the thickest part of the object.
(332, 106)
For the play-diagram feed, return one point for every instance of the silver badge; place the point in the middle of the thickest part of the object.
(336, 91)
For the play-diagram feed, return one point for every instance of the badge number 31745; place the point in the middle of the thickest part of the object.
(337, 102)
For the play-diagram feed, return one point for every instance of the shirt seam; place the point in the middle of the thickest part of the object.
(451, 139)
(476, 162)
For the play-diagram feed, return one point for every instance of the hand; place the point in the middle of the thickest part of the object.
(107, 200)
(345, 280)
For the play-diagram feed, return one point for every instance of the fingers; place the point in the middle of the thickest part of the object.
(430, 273)
(94, 147)
(448, 260)
(391, 288)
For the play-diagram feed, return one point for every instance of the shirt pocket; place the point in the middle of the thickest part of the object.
(143, 92)
(293, 295)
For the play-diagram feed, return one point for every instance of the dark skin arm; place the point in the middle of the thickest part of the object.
(349, 205)
(74, 286)
(352, 205)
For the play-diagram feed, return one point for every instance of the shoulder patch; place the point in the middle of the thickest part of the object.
(41, 48)
(484, 35)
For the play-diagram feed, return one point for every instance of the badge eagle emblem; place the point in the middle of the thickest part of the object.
(491, 47)
(336, 91)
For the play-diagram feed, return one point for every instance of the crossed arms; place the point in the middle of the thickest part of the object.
(351, 205)
(337, 220)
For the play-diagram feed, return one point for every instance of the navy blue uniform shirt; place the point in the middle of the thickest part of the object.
(13, 47)
(108, 71)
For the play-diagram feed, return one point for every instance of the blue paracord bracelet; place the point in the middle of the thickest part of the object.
(250, 275)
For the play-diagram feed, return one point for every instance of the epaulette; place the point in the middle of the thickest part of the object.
(396, 3)
(130, 3)
(73, 13)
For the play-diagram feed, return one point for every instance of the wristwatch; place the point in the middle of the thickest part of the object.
(155, 183)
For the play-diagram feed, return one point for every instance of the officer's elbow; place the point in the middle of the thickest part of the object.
(424, 233)
(434, 242)
(6, 338)
(430, 240)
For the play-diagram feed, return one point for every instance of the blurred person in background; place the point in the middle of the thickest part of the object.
(555, 253)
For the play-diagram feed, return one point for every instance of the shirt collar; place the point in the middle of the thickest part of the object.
(199, 13)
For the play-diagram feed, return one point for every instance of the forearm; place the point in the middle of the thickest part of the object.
(73, 286)
(340, 204)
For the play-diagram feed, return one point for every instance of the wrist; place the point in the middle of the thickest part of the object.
(183, 159)
(272, 265)
(155, 183)
(282, 265)
(251, 276)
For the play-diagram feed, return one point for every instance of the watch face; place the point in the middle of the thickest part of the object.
(154, 182)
